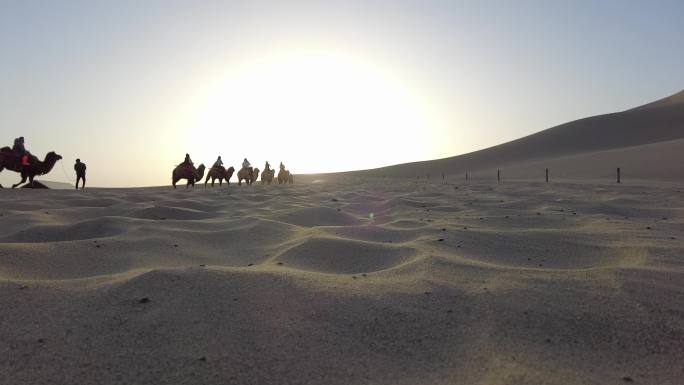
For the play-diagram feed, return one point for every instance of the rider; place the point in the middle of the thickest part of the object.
(218, 163)
(267, 167)
(282, 166)
(245, 164)
(20, 150)
(187, 161)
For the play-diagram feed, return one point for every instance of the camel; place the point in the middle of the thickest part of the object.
(190, 173)
(249, 175)
(220, 173)
(285, 177)
(9, 160)
(267, 176)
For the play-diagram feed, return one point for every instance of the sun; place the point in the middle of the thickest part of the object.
(315, 111)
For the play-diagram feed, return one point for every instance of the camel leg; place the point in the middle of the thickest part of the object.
(23, 180)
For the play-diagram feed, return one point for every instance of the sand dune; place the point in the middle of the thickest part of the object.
(475, 283)
(651, 137)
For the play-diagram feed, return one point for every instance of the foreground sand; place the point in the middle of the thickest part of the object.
(377, 282)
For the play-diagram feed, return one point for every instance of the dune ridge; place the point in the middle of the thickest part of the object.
(646, 141)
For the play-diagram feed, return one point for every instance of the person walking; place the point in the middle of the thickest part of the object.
(80, 169)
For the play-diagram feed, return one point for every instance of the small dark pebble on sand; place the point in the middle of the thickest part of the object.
(41, 340)
(279, 263)
(202, 359)
(443, 229)
(334, 200)
(440, 240)
(428, 293)
(251, 264)
(627, 379)
(648, 227)
(23, 287)
(144, 300)
(203, 265)
(548, 340)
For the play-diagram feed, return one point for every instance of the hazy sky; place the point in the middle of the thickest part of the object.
(131, 86)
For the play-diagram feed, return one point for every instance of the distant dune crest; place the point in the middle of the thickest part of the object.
(646, 142)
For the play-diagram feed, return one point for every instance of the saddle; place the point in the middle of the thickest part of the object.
(26, 160)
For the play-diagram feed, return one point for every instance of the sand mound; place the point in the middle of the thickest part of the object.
(374, 234)
(341, 256)
(318, 216)
(88, 229)
(175, 213)
(406, 224)
(543, 249)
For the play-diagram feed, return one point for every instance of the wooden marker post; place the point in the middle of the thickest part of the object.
(618, 174)
(547, 175)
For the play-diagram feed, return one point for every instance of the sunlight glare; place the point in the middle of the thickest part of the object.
(316, 112)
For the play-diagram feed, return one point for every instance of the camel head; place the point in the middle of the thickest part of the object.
(52, 156)
(230, 170)
(199, 174)
(255, 174)
(46, 166)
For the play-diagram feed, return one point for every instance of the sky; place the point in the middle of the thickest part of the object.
(131, 86)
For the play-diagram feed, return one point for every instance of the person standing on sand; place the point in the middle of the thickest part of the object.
(80, 169)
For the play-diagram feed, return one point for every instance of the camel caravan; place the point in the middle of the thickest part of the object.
(19, 160)
(247, 173)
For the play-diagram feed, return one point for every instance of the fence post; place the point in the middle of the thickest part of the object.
(618, 174)
(498, 176)
(547, 175)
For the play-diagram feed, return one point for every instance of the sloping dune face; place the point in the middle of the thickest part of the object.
(373, 282)
(646, 142)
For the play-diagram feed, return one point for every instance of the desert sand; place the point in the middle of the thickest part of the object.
(345, 281)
